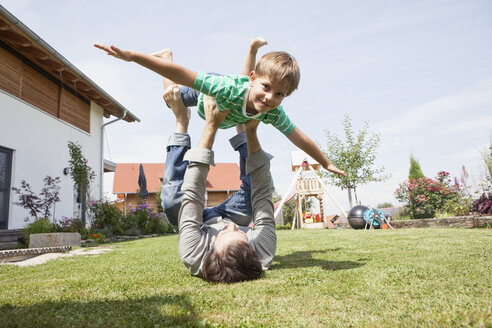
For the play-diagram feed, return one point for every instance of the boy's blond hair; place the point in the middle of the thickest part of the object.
(281, 67)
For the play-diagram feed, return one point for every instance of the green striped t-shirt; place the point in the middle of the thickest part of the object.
(231, 93)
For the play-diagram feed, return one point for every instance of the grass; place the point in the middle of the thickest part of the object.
(320, 278)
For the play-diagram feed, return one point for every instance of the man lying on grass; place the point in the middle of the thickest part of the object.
(217, 243)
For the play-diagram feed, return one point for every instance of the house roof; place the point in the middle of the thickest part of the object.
(29, 45)
(224, 176)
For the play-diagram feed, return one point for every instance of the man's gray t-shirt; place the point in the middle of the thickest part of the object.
(196, 239)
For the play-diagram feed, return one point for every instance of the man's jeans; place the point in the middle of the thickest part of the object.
(237, 208)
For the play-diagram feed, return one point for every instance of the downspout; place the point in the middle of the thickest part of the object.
(102, 152)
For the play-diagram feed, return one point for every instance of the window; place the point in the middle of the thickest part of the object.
(5, 173)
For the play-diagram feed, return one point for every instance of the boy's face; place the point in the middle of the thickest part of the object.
(264, 93)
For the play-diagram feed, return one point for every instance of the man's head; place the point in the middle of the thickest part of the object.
(275, 77)
(232, 259)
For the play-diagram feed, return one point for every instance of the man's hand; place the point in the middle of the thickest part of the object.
(172, 96)
(213, 118)
(125, 55)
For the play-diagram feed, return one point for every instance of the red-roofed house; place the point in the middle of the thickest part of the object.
(223, 181)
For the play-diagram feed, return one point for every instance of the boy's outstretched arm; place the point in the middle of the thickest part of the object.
(305, 143)
(168, 69)
(254, 45)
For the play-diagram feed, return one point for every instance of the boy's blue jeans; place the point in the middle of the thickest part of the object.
(237, 208)
(190, 95)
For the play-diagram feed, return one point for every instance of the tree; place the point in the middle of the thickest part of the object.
(415, 171)
(39, 206)
(355, 156)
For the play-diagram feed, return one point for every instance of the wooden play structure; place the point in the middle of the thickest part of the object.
(307, 183)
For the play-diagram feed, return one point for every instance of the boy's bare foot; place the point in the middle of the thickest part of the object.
(172, 96)
(257, 43)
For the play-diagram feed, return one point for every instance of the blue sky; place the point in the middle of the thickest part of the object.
(419, 71)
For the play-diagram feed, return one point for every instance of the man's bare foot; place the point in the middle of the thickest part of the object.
(167, 55)
(257, 43)
(172, 96)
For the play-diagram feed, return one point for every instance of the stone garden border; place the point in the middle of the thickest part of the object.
(470, 221)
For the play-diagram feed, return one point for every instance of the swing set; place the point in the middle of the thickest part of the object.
(307, 183)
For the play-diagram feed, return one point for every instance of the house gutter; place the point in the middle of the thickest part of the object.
(101, 187)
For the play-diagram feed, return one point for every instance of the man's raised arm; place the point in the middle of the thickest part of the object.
(191, 241)
(264, 240)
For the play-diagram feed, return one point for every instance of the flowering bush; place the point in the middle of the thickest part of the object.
(99, 237)
(144, 220)
(424, 196)
(105, 216)
(67, 224)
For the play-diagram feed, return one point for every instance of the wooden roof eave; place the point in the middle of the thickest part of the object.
(19, 37)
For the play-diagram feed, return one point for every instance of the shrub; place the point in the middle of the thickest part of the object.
(143, 219)
(483, 205)
(458, 206)
(286, 226)
(98, 237)
(105, 215)
(425, 196)
(38, 226)
(130, 225)
(67, 224)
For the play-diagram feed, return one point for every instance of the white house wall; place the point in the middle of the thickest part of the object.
(39, 143)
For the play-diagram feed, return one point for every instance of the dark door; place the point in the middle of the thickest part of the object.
(5, 172)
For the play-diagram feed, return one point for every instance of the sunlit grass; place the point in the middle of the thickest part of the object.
(320, 278)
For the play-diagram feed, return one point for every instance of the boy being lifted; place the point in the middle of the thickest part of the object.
(257, 96)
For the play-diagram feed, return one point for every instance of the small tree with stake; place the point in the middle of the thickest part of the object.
(81, 174)
(355, 156)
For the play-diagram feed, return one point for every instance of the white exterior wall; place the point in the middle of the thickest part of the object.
(40, 147)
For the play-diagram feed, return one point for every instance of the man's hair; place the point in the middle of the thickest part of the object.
(281, 67)
(238, 262)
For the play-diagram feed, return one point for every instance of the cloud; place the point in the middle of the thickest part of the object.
(478, 125)
(479, 95)
(471, 154)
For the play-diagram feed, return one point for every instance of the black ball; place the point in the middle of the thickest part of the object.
(355, 217)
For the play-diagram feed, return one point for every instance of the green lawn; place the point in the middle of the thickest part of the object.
(324, 278)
